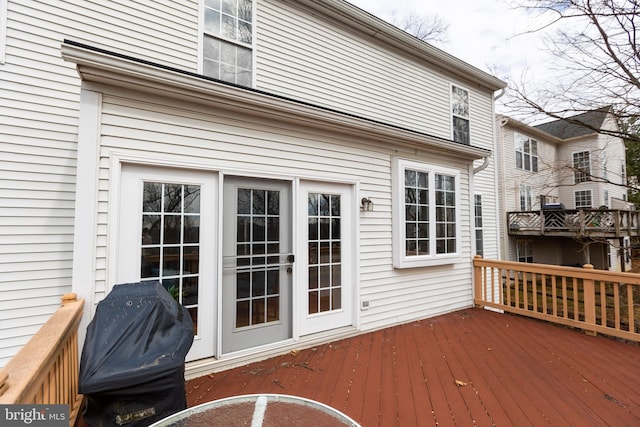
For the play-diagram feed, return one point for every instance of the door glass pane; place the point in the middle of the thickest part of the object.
(257, 276)
(171, 241)
(325, 253)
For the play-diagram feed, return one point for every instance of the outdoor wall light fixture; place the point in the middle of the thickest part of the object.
(366, 205)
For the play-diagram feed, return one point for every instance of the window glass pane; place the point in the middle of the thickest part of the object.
(325, 251)
(152, 197)
(244, 10)
(461, 130)
(230, 7)
(212, 21)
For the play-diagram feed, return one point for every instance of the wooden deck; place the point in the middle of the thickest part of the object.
(472, 367)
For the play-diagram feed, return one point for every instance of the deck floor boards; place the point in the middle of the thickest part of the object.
(516, 371)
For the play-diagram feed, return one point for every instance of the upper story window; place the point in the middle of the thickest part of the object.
(460, 114)
(526, 198)
(526, 153)
(228, 40)
(426, 220)
(581, 167)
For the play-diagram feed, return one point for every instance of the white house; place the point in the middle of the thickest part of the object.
(293, 172)
(571, 164)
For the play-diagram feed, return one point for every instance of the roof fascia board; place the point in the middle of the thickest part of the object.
(98, 66)
(530, 130)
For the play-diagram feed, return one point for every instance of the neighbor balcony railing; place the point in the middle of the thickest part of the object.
(597, 301)
(580, 222)
(45, 370)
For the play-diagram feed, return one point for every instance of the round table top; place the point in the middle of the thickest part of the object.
(259, 410)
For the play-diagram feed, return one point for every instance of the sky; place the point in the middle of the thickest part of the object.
(491, 35)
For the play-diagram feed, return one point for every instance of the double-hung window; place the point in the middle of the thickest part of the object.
(526, 199)
(581, 167)
(228, 40)
(526, 153)
(478, 224)
(460, 115)
(524, 251)
(426, 215)
(583, 199)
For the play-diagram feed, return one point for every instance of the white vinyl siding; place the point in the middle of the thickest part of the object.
(185, 134)
(3, 29)
(343, 70)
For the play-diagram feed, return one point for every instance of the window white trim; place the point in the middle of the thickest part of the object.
(454, 115)
(524, 154)
(478, 224)
(524, 251)
(3, 30)
(525, 197)
(575, 200)
(577, 171)
(202, 33)
(400, 258)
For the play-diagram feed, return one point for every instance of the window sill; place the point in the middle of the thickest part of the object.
(426, 262)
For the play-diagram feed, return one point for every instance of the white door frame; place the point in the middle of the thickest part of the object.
(321, 322)
(126, 268)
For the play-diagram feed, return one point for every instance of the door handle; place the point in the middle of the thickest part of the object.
(291, 258)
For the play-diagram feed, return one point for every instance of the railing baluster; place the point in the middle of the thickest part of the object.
(616, 304)
(603, 303)
(554, 294)
(565, 312)
(630, 305)
(544, 293)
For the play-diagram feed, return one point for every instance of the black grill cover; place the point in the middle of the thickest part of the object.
(132, 364)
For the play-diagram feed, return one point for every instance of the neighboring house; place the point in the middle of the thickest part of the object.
(571, 181)
(293, 172)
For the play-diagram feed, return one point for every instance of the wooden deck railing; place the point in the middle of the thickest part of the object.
(596, 301)
(575, 222)
(45, 370)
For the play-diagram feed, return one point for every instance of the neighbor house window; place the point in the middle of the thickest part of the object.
(526, 153)
(460, 114)
(582, 199)
(524, 251)
(426, 214)
(605, 197)
(581, 167)
(525, 197)
(228, 40)
(478, 224)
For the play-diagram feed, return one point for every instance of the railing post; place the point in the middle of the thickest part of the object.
(477, 281)
(589, 297)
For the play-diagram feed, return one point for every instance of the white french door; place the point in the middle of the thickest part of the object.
(257, 263)
(167, 232)
(327, 260)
